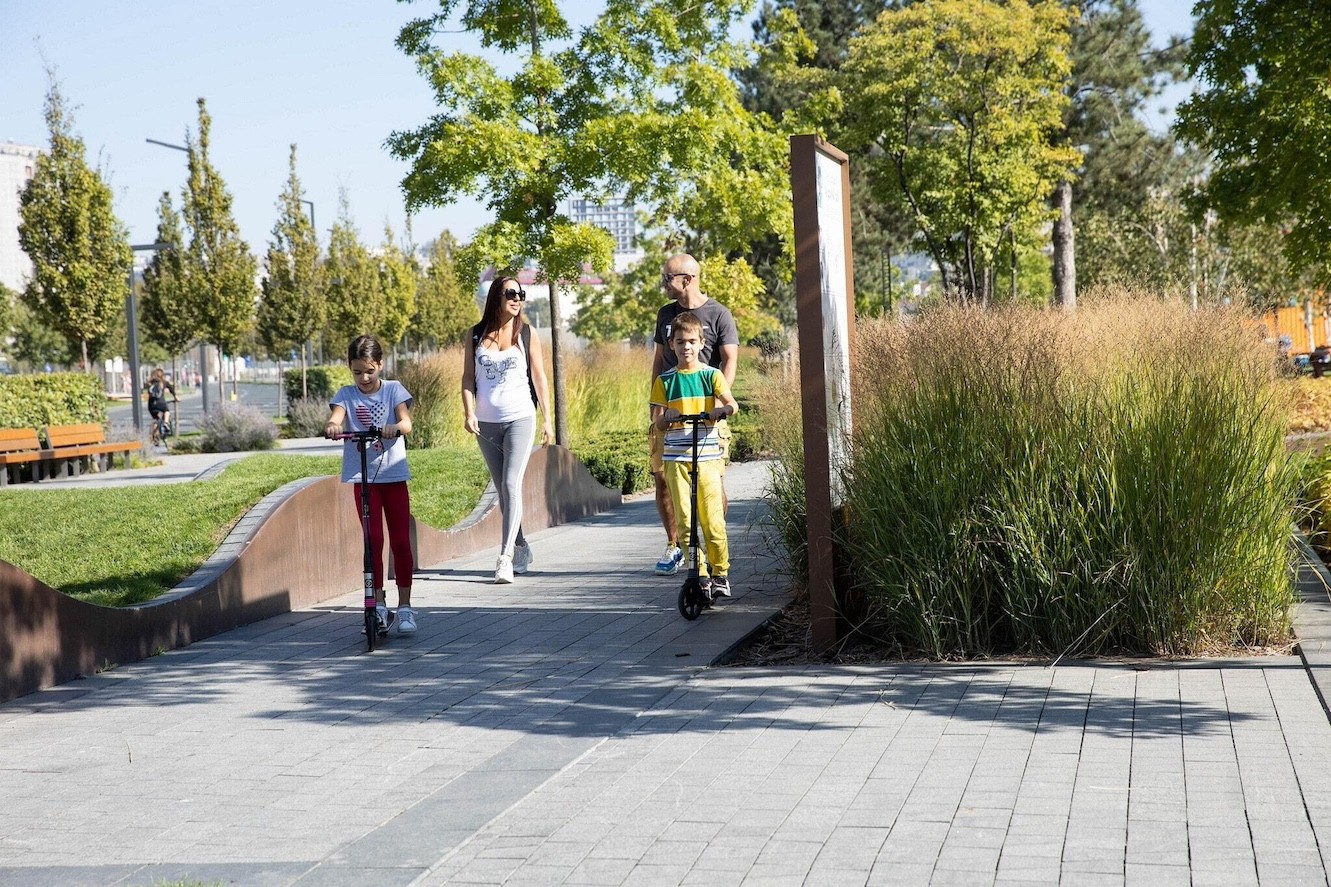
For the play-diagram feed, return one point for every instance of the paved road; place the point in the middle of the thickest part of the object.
(263, 397)
(568, 729)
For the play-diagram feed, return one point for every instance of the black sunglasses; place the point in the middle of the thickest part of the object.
(520, 295)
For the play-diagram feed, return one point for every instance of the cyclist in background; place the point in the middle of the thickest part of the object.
(159, 407)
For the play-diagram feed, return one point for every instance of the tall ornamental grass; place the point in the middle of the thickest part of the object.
(775, 393)
(1029, 481)
(606, 389)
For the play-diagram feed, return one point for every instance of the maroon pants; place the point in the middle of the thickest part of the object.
(392, 503)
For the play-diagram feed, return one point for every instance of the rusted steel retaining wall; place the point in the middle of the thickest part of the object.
(304, 549)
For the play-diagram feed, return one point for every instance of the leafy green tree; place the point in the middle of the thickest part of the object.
(353, 295)
(802, 44)
(625, 308)
(79, 249)
(640, 102)
(397, 278)
(445, 308)
(816, 31)
(219, 269)
(165, 310)
(1240, 263)
(1144, 243)
(292, 308)
(957, 102)
(1116, 72)
(733, 283)
(8, 306)
(36, 344)
(1264, 114)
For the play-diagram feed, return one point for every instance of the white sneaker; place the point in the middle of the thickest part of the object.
(504, 570)
(406, 620)
(522, 558)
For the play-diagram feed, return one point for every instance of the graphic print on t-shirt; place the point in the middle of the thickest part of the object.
(497, 370)
(371, 414)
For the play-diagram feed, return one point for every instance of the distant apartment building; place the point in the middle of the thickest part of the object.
(17, 165)
(616, 215)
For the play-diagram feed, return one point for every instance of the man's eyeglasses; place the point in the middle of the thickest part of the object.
(518, 295)
(688, 278)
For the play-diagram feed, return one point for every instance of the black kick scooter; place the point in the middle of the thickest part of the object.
(693, 596)
(362, 439)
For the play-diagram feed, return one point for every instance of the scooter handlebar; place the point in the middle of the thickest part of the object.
(367, 434)
(673, 416)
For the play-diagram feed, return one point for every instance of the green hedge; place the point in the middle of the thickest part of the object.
(618, 459)
(32, 401)
(322, 382)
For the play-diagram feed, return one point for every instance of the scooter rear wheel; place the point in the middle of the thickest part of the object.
(690, 599)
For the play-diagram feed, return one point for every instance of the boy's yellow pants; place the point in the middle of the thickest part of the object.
(711, 512)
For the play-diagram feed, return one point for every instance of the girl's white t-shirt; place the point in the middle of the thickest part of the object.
(502, 394)
(386, 459)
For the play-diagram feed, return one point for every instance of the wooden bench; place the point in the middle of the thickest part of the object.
(74, 449)
(19, 447)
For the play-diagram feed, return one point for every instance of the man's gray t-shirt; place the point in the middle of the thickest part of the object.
(718, 328)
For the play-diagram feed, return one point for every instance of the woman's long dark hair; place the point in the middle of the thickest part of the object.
(494, 300)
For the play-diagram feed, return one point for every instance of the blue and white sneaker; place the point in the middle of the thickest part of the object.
(670, 560)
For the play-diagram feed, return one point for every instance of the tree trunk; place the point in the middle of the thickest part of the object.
(557, 368)
(221, 379)
(972, 282)
(1065, 253)
(1012, 239)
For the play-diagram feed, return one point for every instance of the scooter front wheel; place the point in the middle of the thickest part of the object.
(371, 628)
(690, 599)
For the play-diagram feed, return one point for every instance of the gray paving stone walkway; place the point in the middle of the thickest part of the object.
(569, 729)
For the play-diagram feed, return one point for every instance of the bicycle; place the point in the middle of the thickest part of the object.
(362, 439)
(161, 430)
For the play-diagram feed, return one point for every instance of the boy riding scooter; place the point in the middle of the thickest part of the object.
(691, 388)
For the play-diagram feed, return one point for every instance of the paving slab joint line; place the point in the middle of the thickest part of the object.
(453, 851)
(1313, 560)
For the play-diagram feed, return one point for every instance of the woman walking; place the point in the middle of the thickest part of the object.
(503, 378)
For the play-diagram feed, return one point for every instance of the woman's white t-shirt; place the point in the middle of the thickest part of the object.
(502, 394)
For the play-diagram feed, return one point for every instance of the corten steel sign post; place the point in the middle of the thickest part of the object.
(825, 312)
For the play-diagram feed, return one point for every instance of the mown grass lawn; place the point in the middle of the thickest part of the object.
(119, 546)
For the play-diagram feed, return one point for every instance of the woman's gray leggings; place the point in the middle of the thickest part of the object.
(506, 447)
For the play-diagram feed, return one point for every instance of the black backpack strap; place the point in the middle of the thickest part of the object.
(526, 352)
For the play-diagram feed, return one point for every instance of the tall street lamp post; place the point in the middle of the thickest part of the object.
(132, 317)
(203, 347)
(307, 353)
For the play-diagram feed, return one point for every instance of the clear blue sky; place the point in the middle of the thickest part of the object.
(321, 73)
